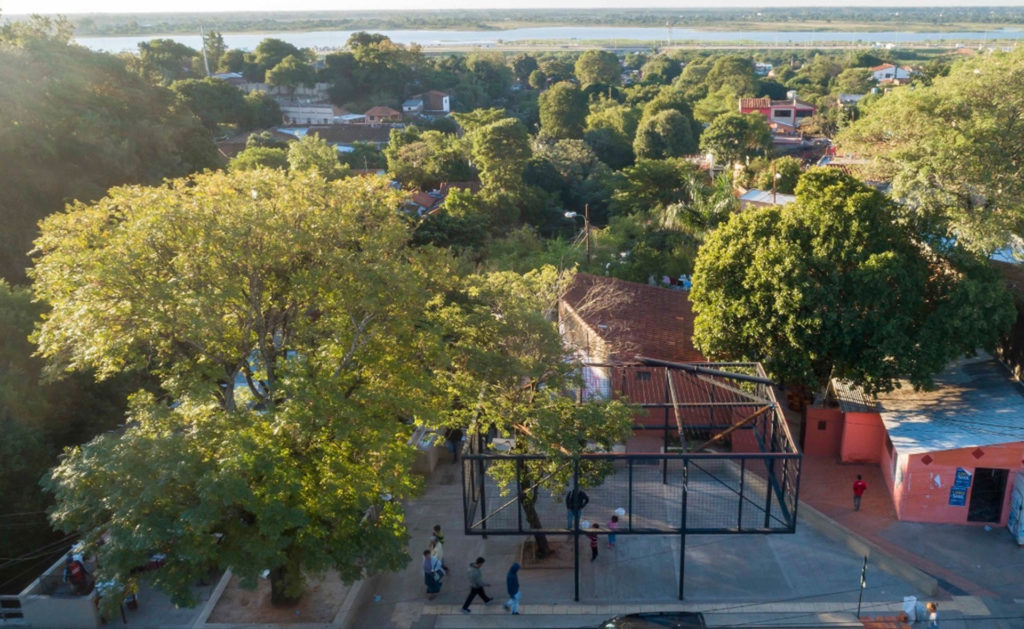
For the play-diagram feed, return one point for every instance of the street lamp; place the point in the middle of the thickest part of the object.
(586, 227)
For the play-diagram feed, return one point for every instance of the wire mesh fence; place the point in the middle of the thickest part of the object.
(728, 463)
(651, 493)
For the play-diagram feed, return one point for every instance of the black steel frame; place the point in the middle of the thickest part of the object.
(764, 485)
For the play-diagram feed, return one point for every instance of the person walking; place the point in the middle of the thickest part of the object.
(575, 500)
(612, 525)
(933, 615)
(431, 574)
(858, 490)
(593, 540)
(437, 547)
(453, 439)
(476, 585)
(512, 583)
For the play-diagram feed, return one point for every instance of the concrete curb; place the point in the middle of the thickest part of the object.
(896, 566)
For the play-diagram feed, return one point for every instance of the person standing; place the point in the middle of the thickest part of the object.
(512, 583)
(476, 585)
(612, 525)
(575, 500)
(437, 546)
(431, 574)
(933, 615)
(453, 439)
(858, 490)
(593, 540)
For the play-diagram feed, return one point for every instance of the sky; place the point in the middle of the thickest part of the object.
(14, 7)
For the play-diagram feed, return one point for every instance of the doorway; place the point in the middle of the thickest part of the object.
(988, 489)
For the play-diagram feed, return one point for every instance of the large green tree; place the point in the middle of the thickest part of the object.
(667, 133)
(76, 122)
(215, 102)
(833, 285)
(732, 137)
(500, 151)
(290, 73)
(563, 111)
(598, 67)
(510, 365)
(314, 153)
(289, 321)
(953, 150)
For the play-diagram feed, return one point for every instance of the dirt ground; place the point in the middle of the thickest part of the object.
(321, 603)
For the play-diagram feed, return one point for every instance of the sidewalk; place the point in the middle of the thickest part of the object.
(808, 577)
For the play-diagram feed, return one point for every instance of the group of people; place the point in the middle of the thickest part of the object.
(575, 500)
(435, 570)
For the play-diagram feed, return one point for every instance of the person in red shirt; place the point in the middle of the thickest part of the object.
(858, 490)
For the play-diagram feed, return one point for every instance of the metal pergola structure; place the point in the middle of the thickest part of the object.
(735, 470)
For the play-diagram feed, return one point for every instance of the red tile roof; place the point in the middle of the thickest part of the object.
(756, 103)
(636, 319)
(380, 111)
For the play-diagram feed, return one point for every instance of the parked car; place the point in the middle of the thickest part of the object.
(656, 620)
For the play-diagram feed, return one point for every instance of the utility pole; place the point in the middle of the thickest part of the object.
(586, 225)
(206, 62)
(775, 179)
(863, 583)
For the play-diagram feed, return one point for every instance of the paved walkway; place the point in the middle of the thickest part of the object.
(975, 574)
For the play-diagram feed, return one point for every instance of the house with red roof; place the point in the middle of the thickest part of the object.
(782, 115)
(607, 320)
(382, 115)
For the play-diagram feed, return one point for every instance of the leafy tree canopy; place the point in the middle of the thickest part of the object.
(563, 111)
(833, 286)
(289, 319)
(75, 123)
(952, 151)
(734, 136)
(598, 67)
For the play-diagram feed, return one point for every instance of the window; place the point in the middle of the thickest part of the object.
(822, 425)
(643, 376)
(783, 113)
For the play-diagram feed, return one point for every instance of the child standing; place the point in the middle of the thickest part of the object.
(933, 615)
(612, 525)
(594, 528)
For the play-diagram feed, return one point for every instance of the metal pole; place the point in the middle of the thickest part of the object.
(519, 492)
(682, 535)
(775, 177)
(863, 583)
(586, 221)
(483, 484)
(739, 510)
(630, 499)
(576, 534)
(664, 433)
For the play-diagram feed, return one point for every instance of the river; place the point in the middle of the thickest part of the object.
(570, 34)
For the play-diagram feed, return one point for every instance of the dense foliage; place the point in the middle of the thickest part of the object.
(76, 122)
(833, 285)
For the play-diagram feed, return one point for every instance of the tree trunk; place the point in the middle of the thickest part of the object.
(286, 584)
(528, 499)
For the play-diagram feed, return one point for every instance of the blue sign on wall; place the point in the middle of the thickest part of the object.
(958, 492)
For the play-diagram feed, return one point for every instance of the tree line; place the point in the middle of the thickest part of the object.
(895, 18)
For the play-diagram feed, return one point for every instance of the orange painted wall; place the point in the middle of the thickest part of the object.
(863, 438)
(919, 500)
(825, 442)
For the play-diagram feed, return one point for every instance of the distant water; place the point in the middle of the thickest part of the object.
(565, 34)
